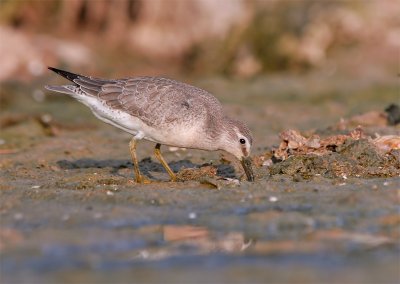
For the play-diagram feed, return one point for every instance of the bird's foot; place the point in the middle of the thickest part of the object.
(142, 179)
(173, 178)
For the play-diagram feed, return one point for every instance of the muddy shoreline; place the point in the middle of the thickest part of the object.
(70, 211)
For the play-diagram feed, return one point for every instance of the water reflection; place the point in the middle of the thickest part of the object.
(198, 240)
(185, 239)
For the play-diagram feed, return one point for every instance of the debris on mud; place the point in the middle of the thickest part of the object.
(197, 174)
(207, 175)
(84, 181)
(387, 143)
(346, 155)
(294, 144)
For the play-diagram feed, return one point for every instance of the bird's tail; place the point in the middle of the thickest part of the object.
(65, 89)
(83, 84)
(68, 75)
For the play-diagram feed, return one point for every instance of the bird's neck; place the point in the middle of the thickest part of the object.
(226, 134)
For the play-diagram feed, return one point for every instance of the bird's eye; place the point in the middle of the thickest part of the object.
(242, 141)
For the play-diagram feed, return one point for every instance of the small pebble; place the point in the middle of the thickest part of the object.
(273, 199)
(192, 215)
(109, 193)
(232, 181)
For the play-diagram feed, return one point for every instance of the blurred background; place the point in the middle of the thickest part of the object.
(315, 66)
(237, 38)
(331, 59)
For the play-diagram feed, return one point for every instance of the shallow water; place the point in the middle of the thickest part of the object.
(70, 211)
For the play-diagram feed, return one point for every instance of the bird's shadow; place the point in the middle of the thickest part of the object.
(147, 165)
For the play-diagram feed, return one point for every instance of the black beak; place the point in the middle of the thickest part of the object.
(246, 163)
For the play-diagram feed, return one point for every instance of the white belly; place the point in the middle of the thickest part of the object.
(177, 136)
(111, 116)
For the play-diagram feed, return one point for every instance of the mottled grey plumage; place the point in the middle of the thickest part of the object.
(161, 110)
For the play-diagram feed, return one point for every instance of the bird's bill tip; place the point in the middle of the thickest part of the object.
(246, 163)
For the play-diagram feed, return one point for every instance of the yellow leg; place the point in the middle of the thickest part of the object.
(158, 155)
(138, 176)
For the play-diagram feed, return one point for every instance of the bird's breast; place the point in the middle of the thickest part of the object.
(185, 136)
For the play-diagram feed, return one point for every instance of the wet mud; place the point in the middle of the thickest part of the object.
(324, 207)
(339, 156)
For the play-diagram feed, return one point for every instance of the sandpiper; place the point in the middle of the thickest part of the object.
(163, 111)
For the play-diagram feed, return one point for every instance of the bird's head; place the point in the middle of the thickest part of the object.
(238, 141)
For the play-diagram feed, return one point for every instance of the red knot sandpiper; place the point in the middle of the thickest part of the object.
(163, 111)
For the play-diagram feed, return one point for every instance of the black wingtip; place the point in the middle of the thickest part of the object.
(68, 75)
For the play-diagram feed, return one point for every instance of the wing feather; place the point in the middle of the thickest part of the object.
(161, 101)
(155, 100)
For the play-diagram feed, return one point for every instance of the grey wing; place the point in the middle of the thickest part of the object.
(134, 96)
(155, 100)
(160, 101)
(137, 96)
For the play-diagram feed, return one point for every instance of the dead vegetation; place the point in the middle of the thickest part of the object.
(353, 154)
